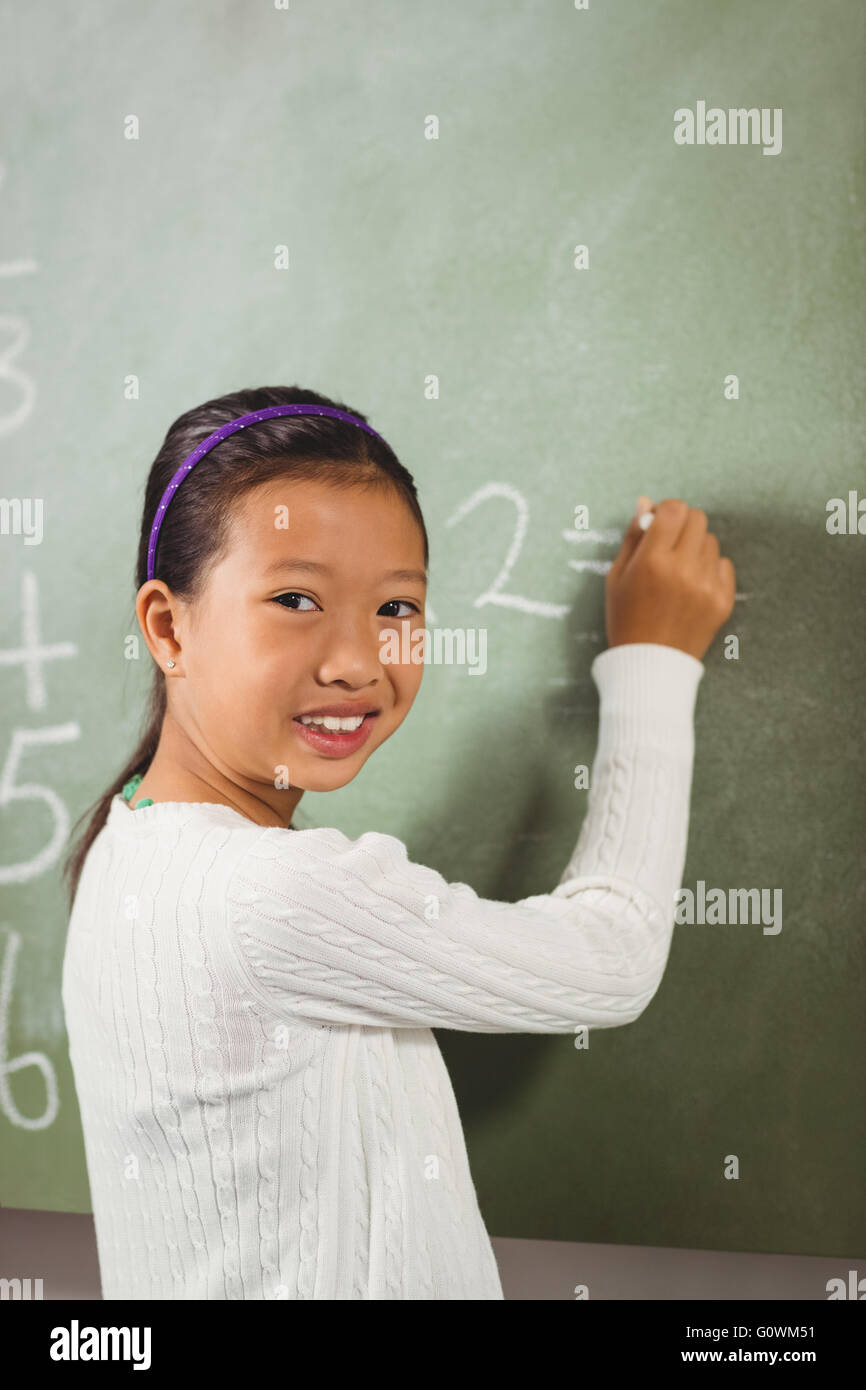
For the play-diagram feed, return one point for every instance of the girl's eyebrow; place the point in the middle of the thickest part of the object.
(315, 568)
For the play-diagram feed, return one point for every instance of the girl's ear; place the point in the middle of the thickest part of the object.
(155, 609)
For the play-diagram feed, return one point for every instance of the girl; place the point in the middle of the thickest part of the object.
(266, 1113)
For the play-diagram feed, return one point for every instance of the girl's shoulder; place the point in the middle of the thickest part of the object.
(328, 844)
(271, 860)
(372, 852)
(372, 862)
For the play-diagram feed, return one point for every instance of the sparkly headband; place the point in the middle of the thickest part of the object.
(223, 433)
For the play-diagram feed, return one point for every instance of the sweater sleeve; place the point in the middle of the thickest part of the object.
(340, 931)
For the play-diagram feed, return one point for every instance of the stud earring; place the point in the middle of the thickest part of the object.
(170, 665)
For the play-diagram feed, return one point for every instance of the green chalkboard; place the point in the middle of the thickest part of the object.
(484, 226)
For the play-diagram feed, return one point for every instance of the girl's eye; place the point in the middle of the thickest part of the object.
(280, 597)
(407, 602)
(391, 602)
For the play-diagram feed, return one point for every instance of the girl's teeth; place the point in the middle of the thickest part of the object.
(331, 722)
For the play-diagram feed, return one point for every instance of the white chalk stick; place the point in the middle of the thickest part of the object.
(645, 520)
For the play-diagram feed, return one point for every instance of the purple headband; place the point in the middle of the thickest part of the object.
(223, 433)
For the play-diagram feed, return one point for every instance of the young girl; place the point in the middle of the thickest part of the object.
(266, 1112)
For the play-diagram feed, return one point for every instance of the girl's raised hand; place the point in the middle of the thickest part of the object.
(669, 584)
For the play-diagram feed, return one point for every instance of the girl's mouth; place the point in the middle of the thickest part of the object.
(334, 743)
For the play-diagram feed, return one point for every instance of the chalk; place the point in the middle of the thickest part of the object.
(644, 521)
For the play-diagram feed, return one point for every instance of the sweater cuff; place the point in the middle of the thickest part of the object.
(647, 695)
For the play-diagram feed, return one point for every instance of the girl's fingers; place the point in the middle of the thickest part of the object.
(694, 533)
(728, 580)
(668, 521)
(633, 536)
(710, 548)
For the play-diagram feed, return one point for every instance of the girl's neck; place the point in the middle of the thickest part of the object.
(178, 771)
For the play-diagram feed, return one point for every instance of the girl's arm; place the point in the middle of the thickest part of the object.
(637, 824)
(336, 931)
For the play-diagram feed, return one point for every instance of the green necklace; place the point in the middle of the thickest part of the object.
(129, 791)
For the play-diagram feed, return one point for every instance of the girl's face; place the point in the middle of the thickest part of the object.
(289, 625)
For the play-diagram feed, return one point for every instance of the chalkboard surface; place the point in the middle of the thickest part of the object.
(488, 227)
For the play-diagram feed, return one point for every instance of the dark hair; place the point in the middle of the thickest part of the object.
(195, 529)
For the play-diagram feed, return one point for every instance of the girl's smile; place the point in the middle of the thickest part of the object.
(336, 742)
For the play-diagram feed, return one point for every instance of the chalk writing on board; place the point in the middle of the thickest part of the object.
(26, 1059)
(494, 593)
(607, 536)
(23, 387)
(44, 858)
(30, 656)
(604, 537)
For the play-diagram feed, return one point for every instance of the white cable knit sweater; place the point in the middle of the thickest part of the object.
(266, 1112)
